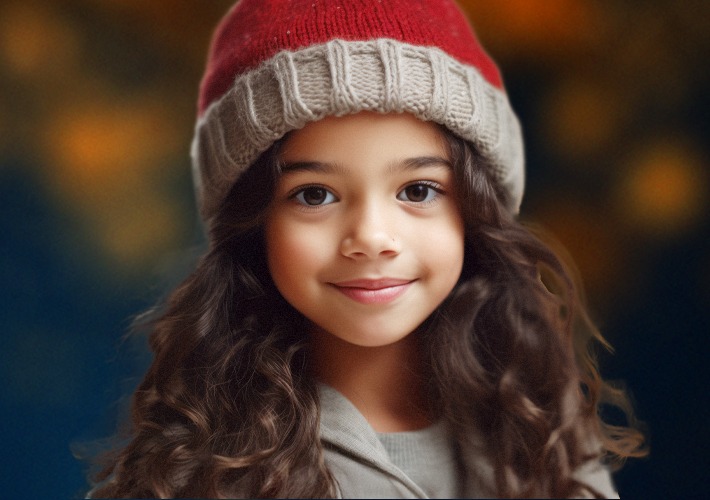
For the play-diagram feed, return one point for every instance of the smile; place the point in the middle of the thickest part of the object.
(379, 291)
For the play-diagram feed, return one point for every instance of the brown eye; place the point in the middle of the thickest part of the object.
(418, 193)
(314, 196)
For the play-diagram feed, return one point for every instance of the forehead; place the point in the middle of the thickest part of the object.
(366, 136)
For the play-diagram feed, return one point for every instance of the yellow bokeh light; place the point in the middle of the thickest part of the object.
(665, 188)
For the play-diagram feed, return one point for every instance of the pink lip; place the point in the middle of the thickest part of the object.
(377, 291)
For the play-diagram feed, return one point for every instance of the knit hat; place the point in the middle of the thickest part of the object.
(276, 65)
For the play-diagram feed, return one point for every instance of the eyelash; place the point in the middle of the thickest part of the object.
(295, 193)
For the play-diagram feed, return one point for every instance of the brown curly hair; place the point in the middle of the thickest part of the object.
(228, 408)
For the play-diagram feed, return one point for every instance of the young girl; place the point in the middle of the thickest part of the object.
(370, 319)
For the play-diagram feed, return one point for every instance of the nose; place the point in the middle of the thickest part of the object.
(369, 233)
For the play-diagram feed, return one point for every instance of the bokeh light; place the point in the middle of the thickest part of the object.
(537, 32)
(596, 252)
(664, 189)
(580, 118)
(36, 42)
(111, 160)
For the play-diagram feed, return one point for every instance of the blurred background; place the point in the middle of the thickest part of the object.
(97, 216)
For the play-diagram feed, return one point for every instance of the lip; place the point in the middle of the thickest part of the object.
(373, 291)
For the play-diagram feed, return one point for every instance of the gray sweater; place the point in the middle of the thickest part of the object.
(363, 468)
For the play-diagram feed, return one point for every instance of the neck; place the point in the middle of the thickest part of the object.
(387, 384)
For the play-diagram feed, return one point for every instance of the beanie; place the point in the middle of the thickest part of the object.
(276, 65)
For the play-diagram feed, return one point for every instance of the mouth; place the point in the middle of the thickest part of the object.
(375, 291)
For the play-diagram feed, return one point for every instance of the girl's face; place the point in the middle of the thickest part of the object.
(364, 236)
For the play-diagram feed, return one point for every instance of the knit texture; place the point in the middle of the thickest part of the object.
(256, 30)
(277, 65)
(428, 457)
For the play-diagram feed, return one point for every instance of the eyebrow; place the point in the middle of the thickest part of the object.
(311, 166)
(413, 163)
(419, 162)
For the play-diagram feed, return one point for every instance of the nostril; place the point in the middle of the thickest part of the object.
(370, 245)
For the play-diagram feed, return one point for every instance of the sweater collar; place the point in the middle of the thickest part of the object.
(344, 427)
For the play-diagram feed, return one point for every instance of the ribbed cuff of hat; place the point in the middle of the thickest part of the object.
(338, 78)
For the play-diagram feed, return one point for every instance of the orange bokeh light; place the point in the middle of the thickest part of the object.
(531, 28)
(665, 188)
(584, 232)
(36, 41)
(109, 159)
(581, 118)
(97, 146)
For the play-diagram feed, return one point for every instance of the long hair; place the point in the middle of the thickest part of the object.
(512, 350)
(228, 408)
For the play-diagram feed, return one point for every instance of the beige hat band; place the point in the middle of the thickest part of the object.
(340, 77)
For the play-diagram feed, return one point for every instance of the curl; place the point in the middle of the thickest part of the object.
(512, 350)
(226, 409)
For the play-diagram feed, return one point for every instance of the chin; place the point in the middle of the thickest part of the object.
(374, 337)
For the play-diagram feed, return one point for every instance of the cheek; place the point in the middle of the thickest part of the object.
(445, 236)
(443, 249)
(293, 253)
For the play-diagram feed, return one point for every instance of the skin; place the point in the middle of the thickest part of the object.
(365, 239)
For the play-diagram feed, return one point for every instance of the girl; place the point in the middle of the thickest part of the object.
(370, 318)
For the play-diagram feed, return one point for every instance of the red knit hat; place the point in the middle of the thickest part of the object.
(276, 65)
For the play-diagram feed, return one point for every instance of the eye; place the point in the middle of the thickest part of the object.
(313, 196)
(420, 192)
